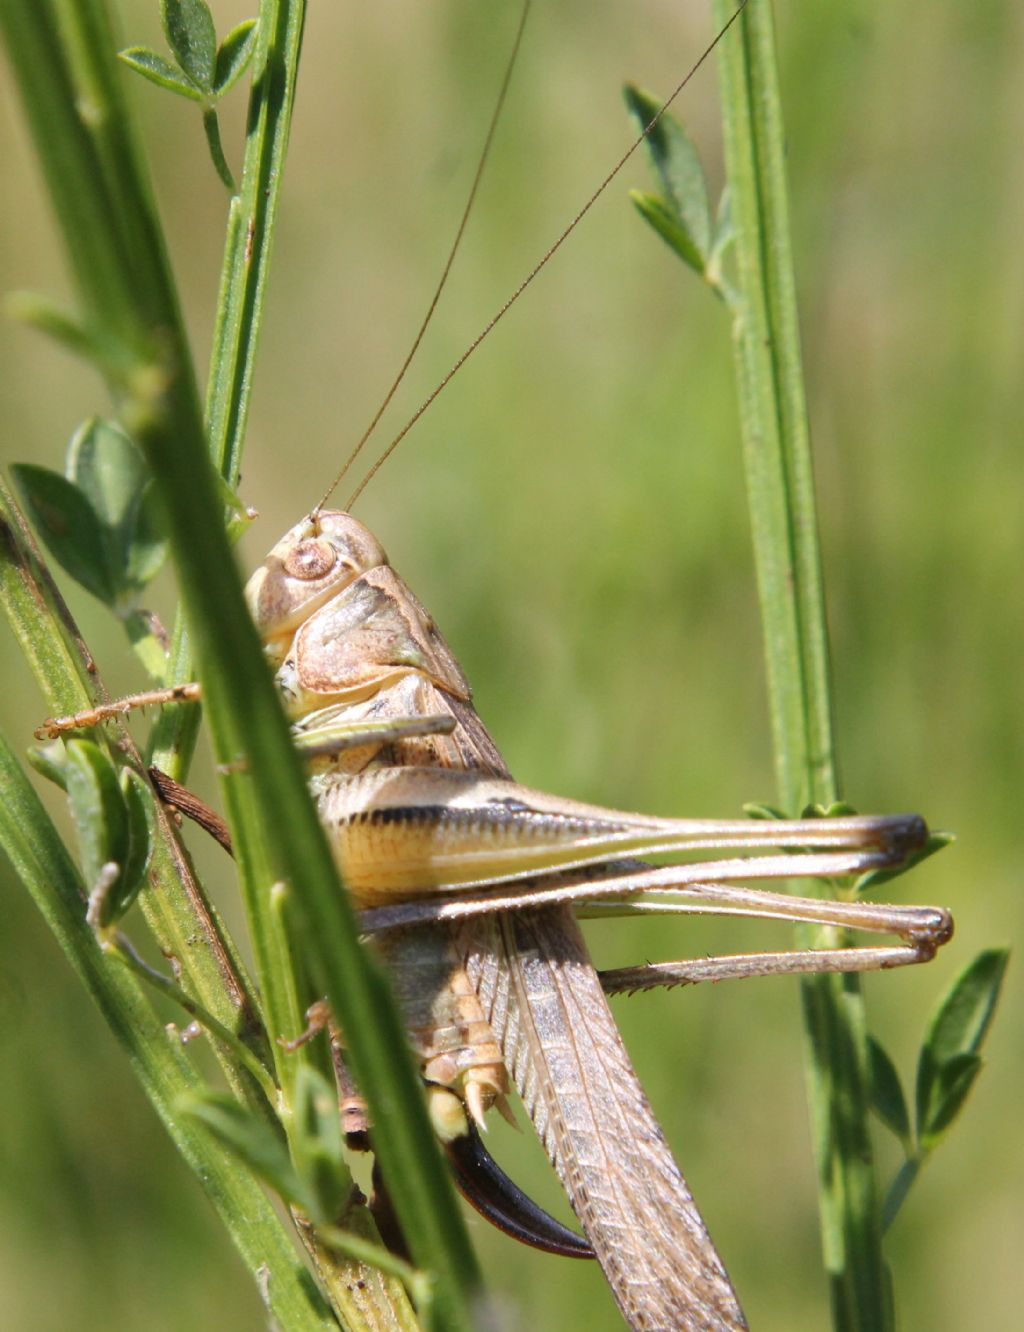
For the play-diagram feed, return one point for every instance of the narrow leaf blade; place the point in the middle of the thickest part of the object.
(233, 56)
(157, 69)
(949, 1092)
(68, 527)
(670, 227)
(252, 1140)
(887, 1098)
(954, 1037)
(676, 166)
(188, 25)
(98, 812)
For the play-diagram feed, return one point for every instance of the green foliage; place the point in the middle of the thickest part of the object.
(233, 56)
(915, 349)
(681, 214)
(949, 1061)
(201, 70)
(317, 1145)
(250, 1138)
(110, 811)
(188, 26)
(887, 1099)
(100, 520)
(937, 841)
(947, 1069)
(848, 1075)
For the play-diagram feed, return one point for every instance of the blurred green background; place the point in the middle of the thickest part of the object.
(572, 510)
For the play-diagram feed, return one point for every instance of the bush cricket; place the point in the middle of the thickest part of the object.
(468, 882)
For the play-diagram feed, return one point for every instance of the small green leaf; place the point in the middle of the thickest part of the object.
(68, 527)
(839, 809)
(679, 173)
(188, 25)
(252, 1140)
(50, 761)
(98, 810)
(116, 360)
(234, 55)
(154, 67)
(666, 222)
(28, 307)
(875, 878)
(146, 539)
(317, 1144)
(101, 522)
(111, 814)
(240, 516)
(898, 1190)
(963, 1017)
(949, 1090)
(887, 1099)
(149, 642)
(949, 1061)
(758, 810)
(139, 812)
(107, 467)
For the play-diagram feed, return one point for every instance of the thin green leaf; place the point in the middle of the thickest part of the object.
(99, 813)
(949, 1062)
(149, 643)
(875, 878)
(670, 227)
(188, 25)
(145, 537)
(677, 168)
(760, 810)
(51, 762)
(317, 1145)
(81, 339)
(157, 69)
(949, 1090)
(108, 469)
(139, 817)
(887, 1098)
(962, 1019)
(835, 809)
(252, 1140)
(69, 528)
(233, 56)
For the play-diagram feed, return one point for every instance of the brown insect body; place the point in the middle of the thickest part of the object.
(368, 652)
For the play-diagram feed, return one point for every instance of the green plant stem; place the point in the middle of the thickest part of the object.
(273, 820)
(784, 525)
(176, 909)
(245, 265)
(40, 860)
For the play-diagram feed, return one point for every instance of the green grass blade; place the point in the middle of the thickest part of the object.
(278, 837)
(784, 526)
(34, 848)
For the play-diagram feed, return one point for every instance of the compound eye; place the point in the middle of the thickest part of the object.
(311, 560)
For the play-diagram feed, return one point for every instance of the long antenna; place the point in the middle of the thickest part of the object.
(548, 256)
(481, 163)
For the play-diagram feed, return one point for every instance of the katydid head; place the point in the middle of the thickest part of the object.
(311, 563)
